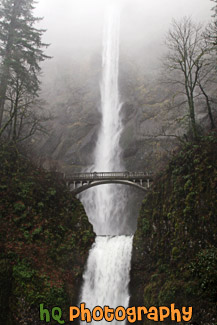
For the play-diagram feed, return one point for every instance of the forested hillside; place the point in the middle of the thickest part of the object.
(45, 237)
(174, 254)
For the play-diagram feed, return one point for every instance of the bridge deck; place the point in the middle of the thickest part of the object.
(109, 176)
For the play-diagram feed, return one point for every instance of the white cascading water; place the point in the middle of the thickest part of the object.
(106, 277)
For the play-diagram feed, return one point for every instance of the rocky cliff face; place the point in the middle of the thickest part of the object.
(146, 114)
(152, 124)
(174, 252)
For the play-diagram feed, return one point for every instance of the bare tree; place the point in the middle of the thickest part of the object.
(213, 26)
(188, 55)
(207, 81)
(23, 111)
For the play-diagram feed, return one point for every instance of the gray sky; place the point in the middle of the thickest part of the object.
(74, 27)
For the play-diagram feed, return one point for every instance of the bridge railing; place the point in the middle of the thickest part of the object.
(110, 175)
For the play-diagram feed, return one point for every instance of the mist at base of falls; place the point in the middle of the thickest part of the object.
(108, 267)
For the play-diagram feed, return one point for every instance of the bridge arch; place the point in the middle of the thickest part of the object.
(94, 183)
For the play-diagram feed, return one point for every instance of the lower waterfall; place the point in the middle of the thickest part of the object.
(107, 272)
(107, 275)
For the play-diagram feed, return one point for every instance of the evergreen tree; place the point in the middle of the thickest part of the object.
(20, 49)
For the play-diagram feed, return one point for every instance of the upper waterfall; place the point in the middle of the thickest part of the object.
(105, 205)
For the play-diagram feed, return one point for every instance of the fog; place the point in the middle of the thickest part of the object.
(74, 27)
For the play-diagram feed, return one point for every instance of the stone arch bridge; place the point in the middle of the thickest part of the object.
(82, 181)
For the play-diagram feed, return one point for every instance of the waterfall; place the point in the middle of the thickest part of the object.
(107, 273)
(107, 276)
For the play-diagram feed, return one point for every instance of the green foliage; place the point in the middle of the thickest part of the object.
(145, 225)
(37, 231)
(175, 242)
(168, 293)
(44, 238)
(51, 192)
(175, 252)
(22, 271)
(19, 206)
(204, 268)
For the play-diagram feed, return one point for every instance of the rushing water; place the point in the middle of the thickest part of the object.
(107, 274)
